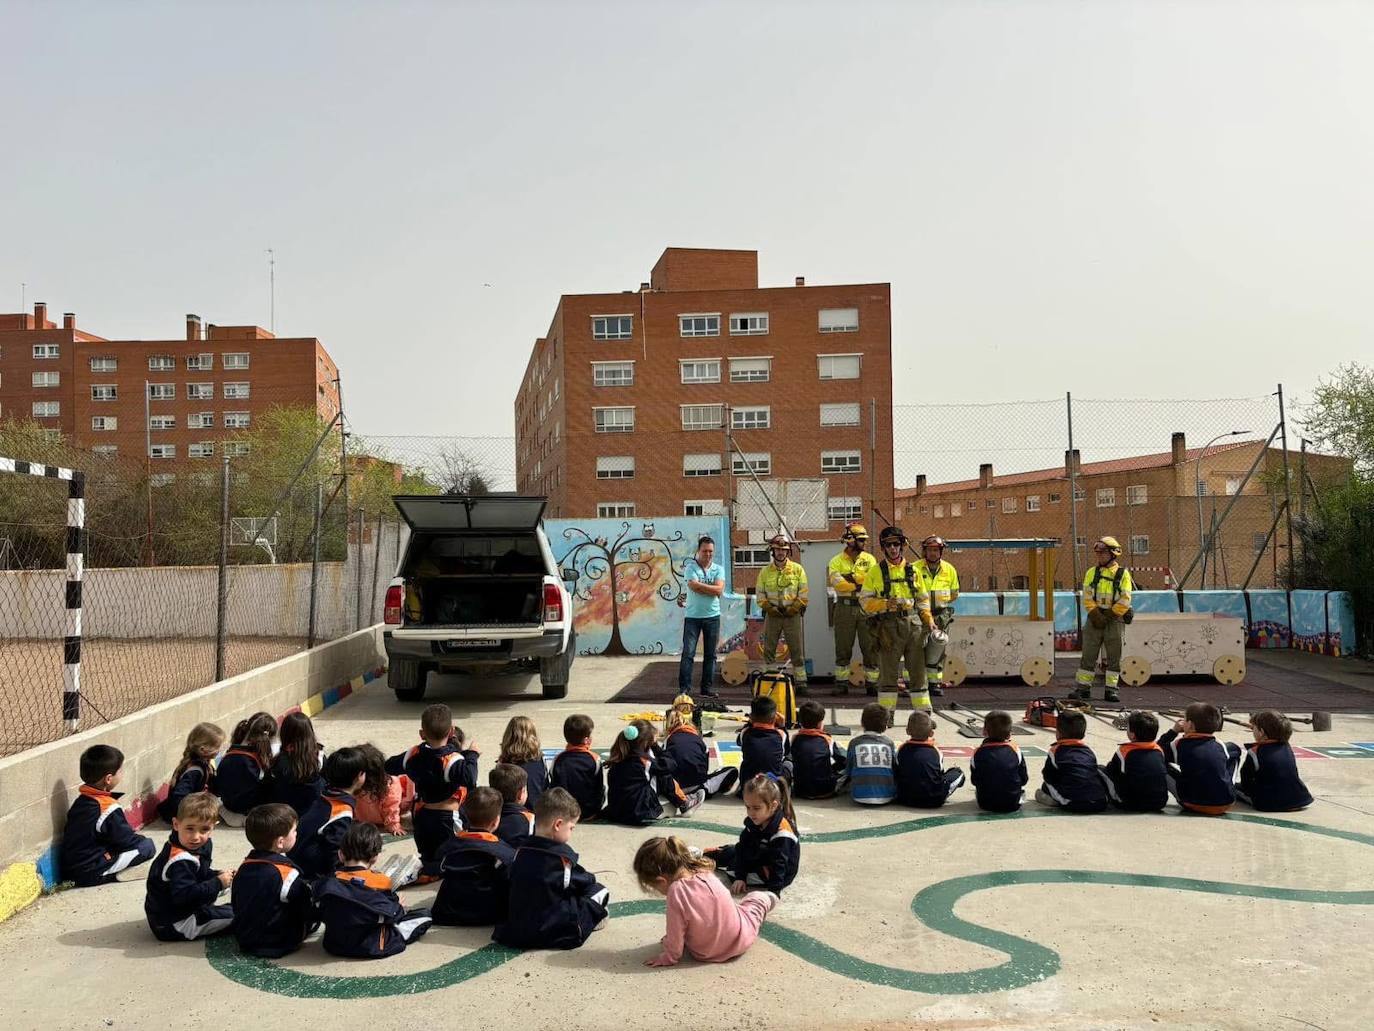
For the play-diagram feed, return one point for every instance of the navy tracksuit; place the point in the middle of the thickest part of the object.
(516, 822)
(688, 752)
(282, 786)
(98, 842)
(1269, 779)
(764, 748)
(1201, 771)
(922, 780)
(765, 858)
(554, 903)
(817, 763)
(1137, 777)
(321, 831)
(632, 788)
(272, 904)
(241, 780)
(475, 867)
(577, 771)
(1072, 779)
(536, 779)
(198, 776)
(363, 918)
(999, 773)
(181, 892)
(441, 774)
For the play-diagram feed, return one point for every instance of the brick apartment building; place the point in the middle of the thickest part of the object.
(629, 401)
(1149, 503)
(202, 388)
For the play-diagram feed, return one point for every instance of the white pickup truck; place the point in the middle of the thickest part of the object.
(476, 589)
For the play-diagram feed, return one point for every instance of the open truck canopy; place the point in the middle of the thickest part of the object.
(441, 513)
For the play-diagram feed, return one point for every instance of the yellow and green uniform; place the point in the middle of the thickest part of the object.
(899, 630)
(942, 584)
(783, 596)
(1106, 589)
(845, 579)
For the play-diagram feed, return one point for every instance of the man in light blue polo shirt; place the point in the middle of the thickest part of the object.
(705, 584)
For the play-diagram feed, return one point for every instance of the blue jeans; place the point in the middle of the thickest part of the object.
(709, 630)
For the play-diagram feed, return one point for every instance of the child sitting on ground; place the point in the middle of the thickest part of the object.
(1269, 778)
(818, 765)
(182, 885)
(1072, 781)
(554, 903)
(577, 769)
(295, 777)
(997, 768)
(325, 823)
(97, 841)
(763, 743)
(443, 768)
(633, 772)
(363, 918)
(692, 764)
(768, 852)
(382, 798)
(703, 921)
(475, 865)
(272, 903)
(871, 758)
(520, 747)
(1136, 775)
(921, 779)
(241, 777)
(196, 770)
(516, 818)
(1201, 768)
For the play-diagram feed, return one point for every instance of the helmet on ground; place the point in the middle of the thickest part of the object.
(1110, 543)
(933, 541)
(892, 535)
(855, 532)
(683, 703)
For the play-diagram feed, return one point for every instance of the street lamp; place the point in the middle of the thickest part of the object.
(1205, 543)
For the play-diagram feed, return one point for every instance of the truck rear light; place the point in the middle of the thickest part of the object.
(553, 604)
(391, 611)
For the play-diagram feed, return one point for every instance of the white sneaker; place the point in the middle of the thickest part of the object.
(693, 801)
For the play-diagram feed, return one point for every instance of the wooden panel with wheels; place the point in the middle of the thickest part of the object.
(1229, 669)
(1135, 670)
(1037, 671)
(734, 668)
(956, 672)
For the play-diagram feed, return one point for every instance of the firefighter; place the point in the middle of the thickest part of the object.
(782, 594)
(941, 582)
(1107, 601)
(893, 596)
(845, 579)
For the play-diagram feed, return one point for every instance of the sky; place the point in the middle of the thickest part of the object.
(1140, 199)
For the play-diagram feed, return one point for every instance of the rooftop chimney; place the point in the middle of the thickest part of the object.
(985, 475)
(1179, 444)
(69, 320)
(1073, 462)
(801, 280)
(644, 288)
(40, 315)
(193, 327)
(920, 484)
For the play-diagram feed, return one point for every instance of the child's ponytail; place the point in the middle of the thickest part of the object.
(666, 858)
(255, 733)
(773, 789)
(635, 739)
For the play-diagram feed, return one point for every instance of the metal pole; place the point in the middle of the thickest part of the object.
(358, 609)
(1287, 488)
(148, 467)
(1259, 459)
(222, 605)
(314, 565)
(1302, 497)
(1073, 500)
(872, 453)
(376, 562)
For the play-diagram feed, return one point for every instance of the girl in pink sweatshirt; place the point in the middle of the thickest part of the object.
(703, 919)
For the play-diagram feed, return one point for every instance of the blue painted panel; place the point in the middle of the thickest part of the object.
(1224, 603)
(1340, 617)
(1268, 620)
(1309, 621)
(977, 603)
(1154, 601)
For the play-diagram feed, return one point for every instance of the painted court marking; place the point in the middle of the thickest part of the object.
(1027, 962)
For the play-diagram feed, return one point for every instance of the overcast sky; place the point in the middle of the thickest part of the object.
(1148, 199)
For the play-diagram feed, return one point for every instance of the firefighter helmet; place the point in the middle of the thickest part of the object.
(855, 532)
(933, 541)
(778, 542)
(892, 535)
(1110, 543)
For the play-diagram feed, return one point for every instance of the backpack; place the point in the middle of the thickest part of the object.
(1042, 712)
(1116, 589)
(777, 685)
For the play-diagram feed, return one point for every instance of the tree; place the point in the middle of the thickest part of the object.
(457, 472)
(1340, 416)
(617, 579)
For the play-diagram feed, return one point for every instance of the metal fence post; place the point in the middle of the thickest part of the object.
(1287, 490)
(1073, 509)
(222, 600)
(358, 606)
(376, 561)
(315, 565)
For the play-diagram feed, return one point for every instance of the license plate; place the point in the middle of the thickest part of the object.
(480, 642)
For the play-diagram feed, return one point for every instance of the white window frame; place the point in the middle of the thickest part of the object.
(1032, 502)
(200, 362)
(827, 364)
(236, 391)
(939, 512)
(1138, 494)
(43, 352)
(839, 414)
(615, 509)
(844, 508)
(104, 392)
(751, 373)
(47, 409)
(839, 463)
(695, 466)
(231, 360)
(703, 507)
(105, 449)
(837, 320)
(104, 423)
(752, 555)
(236, 448)
(201, 449)
(698, 370)
(164, 451)
(1080, 494)
(162, 391)
(1010, 505)
(751, 417)
(237, 420)
(761, 462)
(104, 364)
(623, 330)
(162, 363)
(46, 380)
(1106, 497)
(604, 374)
(607, 423)
(956, 509)
(200, 421)
(699, 324)
(200, 391)
(162, 422)
(615, 467)
(749, 324)
(708, 422)
(1137, 548)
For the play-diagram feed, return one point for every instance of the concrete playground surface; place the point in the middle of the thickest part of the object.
(899, 918)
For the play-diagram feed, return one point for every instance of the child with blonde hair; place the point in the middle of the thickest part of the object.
(703, 920)
(520, 747)
(196, 770)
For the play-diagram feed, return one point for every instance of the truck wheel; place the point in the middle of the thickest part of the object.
(407, 680)
(554, 672)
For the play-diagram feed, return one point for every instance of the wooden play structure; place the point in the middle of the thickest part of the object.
(1160, 644)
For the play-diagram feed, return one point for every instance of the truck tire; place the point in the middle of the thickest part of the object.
(555, 672)
(407, 680)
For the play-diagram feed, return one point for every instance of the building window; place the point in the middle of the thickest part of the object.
(1258, 541)
(612, 327)
(761, 462)
(46, 350)
(840, 414)
(1009, 504)
(104, 392)
(701, 465)
(751, 370)
(1080, 542)
(1233, 485)
(939, 511)
(105, 449)
(200, 420)
(1106, 497)
(751, 417)
(161, 363)
(1080, 494)
(1033, 503)
(236, 448)
(236, 420)
(46, 379)
(201, 391)
(104, 423)
(752, 557)
(205, 449)
(104, 364)
(707, 507)
(1140, 544)
(162, 451)
(699, 325)
(841, 509)
(703, 370)
(613, 374)
(840, 462)
(973, 504)
(236, 390)
(1054, 499)
(1138, 494)
(162, 391)
(162, 422)
(200, 362)
(614, 420)
(749, 324)
(615, 467)
(615, 509)
(47, 409)
(838, 366)
(955, 509)
(1201, 488)
(839, 320)
(162, 479)
(238, 360)
(702, 417)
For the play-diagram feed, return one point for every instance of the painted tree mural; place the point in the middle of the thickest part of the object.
(614, 580)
